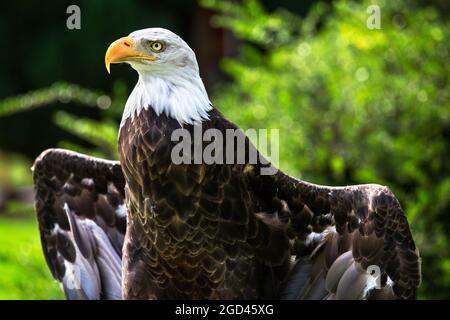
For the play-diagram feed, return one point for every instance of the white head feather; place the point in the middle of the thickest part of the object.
(171, 84)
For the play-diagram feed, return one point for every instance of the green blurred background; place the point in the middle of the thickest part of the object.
(353, 105)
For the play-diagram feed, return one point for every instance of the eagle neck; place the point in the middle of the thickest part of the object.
(182, 97)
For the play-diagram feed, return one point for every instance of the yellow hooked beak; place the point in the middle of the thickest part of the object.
(123, 50)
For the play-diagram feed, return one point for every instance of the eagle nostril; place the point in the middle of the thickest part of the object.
(127, 43)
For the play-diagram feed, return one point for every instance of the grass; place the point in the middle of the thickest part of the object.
(23, 272)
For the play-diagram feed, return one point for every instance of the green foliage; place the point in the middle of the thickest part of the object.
(24, 273)
(58, 92)
(264, 29)
(102, 134)
(353, 105)
(14, 170)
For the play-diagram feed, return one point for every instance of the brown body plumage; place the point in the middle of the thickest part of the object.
(197, 232)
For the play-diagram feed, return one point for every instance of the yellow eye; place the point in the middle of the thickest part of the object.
(156, 46)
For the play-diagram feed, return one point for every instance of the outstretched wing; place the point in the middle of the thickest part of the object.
(349, 242)
(82, 220)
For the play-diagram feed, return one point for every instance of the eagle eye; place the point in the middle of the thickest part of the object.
(156, 46)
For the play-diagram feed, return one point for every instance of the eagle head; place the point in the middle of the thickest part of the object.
(169, 79)
(153, 50)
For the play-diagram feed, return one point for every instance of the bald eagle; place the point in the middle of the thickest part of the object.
(146, 227)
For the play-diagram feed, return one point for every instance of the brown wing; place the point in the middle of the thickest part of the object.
(350, 242)
(82, 221)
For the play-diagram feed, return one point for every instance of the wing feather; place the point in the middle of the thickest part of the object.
(346, 231)
(82, 219)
